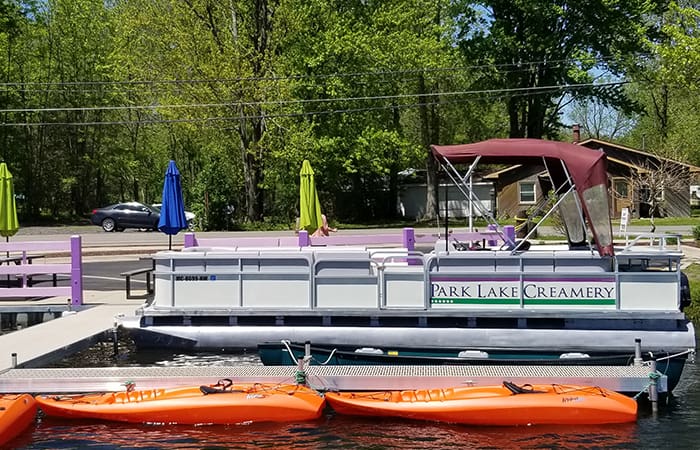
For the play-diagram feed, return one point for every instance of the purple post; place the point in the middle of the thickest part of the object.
(190, 240)
(76, 271)
(304, 240)
(492, 227)
(509, 234)
(409, 239)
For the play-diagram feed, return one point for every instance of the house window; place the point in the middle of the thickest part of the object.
(621, 188)
(527, 191)
(645, 194)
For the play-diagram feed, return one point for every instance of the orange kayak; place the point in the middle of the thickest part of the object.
(223, 403)
(508, 404)
(17, 412)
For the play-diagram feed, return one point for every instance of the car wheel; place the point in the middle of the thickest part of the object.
(190, 225)
(109, 224)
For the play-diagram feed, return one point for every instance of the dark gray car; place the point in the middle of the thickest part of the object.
(120, 216)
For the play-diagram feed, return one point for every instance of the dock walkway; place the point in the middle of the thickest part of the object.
(628, 379)
(66, 335)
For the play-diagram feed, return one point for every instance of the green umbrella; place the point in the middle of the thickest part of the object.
(9, 225)
(309, 206)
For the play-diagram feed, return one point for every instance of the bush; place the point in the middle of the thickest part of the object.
(693, 311)
(696, 233)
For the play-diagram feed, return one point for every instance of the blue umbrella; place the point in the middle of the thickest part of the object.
(172, 211)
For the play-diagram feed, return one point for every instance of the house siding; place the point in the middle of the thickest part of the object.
(412, 200)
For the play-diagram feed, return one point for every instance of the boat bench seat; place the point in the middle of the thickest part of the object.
(149, 285)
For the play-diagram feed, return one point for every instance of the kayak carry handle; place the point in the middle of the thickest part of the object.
(524, 389)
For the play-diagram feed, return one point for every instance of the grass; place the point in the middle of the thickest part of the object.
(693, 311)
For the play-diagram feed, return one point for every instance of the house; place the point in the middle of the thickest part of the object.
(642, 182)
(412, 200)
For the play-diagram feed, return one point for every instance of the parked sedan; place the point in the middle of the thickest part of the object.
(120, 216)
(190, 216)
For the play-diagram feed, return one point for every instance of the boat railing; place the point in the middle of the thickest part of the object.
(345, 280)
(657, 242)
(403, 280)
(359, 278)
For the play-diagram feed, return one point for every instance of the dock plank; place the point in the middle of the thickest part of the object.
(59, 335)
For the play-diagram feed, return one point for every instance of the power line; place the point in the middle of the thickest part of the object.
(524, 65)
(59, 88)
(308, 101)
(494, 94)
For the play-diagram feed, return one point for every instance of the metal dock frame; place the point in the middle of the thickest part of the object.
(627, 379)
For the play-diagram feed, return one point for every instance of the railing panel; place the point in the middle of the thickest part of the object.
(656, 291)
(20, 265)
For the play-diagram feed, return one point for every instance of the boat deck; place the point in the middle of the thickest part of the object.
(628, 379)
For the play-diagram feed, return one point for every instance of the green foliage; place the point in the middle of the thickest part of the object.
(535, 44)
(100, 95)
(696, 233)
(693, 311)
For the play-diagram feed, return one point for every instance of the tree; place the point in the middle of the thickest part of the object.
(666, 85)
(654, 180)
(538, 47)
(383, 67)
(599, 121)
(224, 54)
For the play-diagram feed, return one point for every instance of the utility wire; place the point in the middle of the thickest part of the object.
(153, 88)
(535, 89)
(495, 94)
(525, 65)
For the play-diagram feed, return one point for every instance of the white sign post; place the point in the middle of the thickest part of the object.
(624, 219)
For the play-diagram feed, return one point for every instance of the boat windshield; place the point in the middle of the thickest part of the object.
(570, 168)
(596, 200)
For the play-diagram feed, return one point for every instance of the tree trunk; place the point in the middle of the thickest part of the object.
(431, 201)
(514, 118)
(253, 130)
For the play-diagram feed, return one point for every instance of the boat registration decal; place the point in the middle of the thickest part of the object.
(195, 277)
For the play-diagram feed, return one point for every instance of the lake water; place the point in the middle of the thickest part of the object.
(677, 425)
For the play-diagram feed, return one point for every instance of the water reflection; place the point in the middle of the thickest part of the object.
(125, 354)
(329, 432)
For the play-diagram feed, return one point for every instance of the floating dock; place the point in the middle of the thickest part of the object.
(57, 338)
(627, 379)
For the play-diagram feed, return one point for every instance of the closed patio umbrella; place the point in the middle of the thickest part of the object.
(172, 211)
(9, 225)
(309, 206)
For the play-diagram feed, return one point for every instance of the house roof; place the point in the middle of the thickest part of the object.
(628, 164)
(498, 173)
(587, 142)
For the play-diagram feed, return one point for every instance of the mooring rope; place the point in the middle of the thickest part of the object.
(653, 377)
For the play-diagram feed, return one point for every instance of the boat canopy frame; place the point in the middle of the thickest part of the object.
(578, 176)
